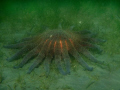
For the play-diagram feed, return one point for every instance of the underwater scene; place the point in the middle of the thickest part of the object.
(60, 45)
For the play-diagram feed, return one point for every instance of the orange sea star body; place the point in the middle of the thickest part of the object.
(56, 45)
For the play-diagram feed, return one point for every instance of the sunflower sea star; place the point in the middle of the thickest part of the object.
(56, 45)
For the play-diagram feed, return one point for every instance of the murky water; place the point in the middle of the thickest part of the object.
(20, 19)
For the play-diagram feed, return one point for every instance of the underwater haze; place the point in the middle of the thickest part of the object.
(20, 19)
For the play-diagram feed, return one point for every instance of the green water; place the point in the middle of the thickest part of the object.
(16, 21)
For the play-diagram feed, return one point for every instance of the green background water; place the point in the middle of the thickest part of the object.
(16, 21)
